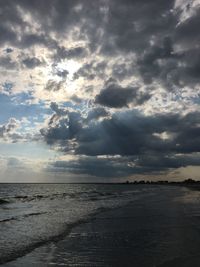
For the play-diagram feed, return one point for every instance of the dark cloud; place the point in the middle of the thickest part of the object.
(123, 70)
(157, 61)
(31, 62)
(186, 33)
(148, 143)
(97, 113)
(172, 69)
(118, 167)
(115, 96)
(54, 17)
(149, 30)
(75, 52)
(101, 167)
(59, 111)
(132, 25)
(129, 133)
(8, 50)
(163, 44)
(63, 125)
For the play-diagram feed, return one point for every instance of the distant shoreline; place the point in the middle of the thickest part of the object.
(187, 182)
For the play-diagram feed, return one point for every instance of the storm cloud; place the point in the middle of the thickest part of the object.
(118, 97)
(146, 143)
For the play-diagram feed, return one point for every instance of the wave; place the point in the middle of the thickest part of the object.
(3, 201)
(54, 238)
(8, 219)
(85, 195)
(22, 216)
(19, 253)
(30, 198)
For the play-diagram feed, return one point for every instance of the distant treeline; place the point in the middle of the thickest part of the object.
(188, 181)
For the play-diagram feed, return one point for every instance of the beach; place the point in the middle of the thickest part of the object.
(157, 228)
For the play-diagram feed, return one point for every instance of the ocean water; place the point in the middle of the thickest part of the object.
(33, 214)
(99, 225)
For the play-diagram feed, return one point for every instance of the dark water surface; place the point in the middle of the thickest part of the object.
(99, 225)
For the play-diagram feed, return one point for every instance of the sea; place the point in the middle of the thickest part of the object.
(99, 225)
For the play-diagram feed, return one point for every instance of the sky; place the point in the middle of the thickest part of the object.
(99, 91)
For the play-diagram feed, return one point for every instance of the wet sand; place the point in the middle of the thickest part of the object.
(162, 229)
